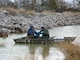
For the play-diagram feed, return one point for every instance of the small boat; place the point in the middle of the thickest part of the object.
(42, 40)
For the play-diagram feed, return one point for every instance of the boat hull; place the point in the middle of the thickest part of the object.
(41, 40)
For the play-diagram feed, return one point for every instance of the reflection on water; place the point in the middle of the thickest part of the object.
(11, 51)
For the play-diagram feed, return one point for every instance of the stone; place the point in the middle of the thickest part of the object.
(4, 33)
(16, 23)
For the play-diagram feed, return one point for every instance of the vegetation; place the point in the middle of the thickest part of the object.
(23, 11)
(52, 4)
(71, 51)
(41, 5)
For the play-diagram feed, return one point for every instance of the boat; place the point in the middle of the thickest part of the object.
(43, 40)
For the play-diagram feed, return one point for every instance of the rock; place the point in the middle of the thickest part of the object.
(3, 32)
(16, 23)
(0, 34)
(18, 30)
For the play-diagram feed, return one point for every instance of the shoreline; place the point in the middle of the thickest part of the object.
(19, 23)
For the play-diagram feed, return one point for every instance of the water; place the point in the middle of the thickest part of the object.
(67, 31)
(11, 51)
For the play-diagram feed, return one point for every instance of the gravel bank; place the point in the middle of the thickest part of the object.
(21, 22)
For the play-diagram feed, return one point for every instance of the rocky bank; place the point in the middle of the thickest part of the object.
(21, 22)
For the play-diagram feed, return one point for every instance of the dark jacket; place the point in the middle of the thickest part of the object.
(44, 32)
(31, 31)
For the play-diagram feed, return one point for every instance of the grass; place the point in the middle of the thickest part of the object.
(13, 11)
(70, 13)
(48, 12)
(71, 51)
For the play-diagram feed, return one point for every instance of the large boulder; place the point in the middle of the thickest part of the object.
(3, 32)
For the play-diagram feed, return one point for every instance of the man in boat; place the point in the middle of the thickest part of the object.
(44, 33)
(31, 32)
